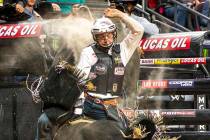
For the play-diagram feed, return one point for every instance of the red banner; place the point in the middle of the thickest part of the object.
(193, 60)
(20, 30)
(173, 43)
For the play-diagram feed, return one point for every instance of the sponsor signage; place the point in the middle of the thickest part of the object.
(179, 113)
(154, 84)
(20, 30)
(165, 43)
(147, 61)
(167, 61)
(201, 104)
(173, 61)
(193, 60)
(180, 83)
(167, 83)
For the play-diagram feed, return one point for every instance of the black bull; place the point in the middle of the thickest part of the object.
(62, 90)
(99, 130)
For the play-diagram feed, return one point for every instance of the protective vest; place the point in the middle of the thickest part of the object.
(108, 72)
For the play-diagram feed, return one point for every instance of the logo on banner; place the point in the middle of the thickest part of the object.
(179, 113)
(181, 84)
(154, 84)
(201, 102)
(20, 30)
(193, 60)
(147, 61)
(172, 43)
(167, 61)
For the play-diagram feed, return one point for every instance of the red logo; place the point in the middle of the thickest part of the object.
(20, 30)
(158, 44)
(193, 61)
(154, 84)
(179, 113)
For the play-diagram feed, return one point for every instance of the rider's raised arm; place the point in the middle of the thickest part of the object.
(130, 43)
(133, 25)
(149, 28)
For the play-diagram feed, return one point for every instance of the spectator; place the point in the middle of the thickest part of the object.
(181, 13)
(152, 4)
(81, 11)
(85, 12)
(202, 6)
(41, 7)
(67, 8)
(28, 8)
(178, 13)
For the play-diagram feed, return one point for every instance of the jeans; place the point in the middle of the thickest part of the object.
(180, 14)
(204, 11)
(94, 110)
(44, 128)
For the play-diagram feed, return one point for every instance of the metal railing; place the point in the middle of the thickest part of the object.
(192, 11)
(167, 20)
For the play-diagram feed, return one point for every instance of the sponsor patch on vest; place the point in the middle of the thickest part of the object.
(117, 60)
(119, 71)
(100, 69)
(114, 87)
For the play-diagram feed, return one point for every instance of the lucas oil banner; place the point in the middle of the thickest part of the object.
(174, 53)
(20, 30)
(165, 43)
(173, 45)
(21, 49)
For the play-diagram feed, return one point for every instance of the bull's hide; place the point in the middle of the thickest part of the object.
(98, 130)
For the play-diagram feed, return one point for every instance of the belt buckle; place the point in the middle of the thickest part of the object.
(96, 100)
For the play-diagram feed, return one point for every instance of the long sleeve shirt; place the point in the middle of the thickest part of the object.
(127, 47)
(149, 28)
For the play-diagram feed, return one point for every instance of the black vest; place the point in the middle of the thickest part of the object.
(108, 72)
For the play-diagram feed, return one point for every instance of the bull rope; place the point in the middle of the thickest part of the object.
(35, 88)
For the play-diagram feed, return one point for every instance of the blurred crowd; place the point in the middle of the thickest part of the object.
(181, 15)
(39, 9)
(35, 10)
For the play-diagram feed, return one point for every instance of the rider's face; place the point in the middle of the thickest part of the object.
(105, 39)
